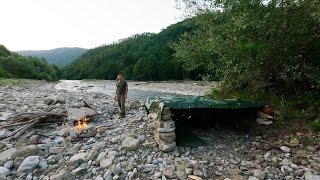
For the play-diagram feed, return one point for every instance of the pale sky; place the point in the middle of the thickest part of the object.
(47, 24)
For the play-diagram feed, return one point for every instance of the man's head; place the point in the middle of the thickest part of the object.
(120, 77)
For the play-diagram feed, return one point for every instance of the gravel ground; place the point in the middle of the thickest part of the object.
(124, 149)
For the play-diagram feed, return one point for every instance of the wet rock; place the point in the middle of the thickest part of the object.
(28, 164)
(130, 143)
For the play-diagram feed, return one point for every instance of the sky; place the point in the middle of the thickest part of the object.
(48, 24)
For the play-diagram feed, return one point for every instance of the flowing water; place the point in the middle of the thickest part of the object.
(138, 90)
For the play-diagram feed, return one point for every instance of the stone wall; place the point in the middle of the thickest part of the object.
(161, 125)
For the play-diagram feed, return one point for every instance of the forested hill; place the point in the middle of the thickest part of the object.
(58, 56)
(146, 56)
(13, 65)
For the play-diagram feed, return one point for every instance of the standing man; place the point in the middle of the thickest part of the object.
(121, 94)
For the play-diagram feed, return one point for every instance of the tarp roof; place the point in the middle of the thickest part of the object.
(194, 102)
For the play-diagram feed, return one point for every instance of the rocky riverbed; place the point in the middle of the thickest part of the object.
(125, 149)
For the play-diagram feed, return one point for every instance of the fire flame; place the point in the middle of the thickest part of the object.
(81, 125)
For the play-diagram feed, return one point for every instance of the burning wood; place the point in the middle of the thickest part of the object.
(81, 124)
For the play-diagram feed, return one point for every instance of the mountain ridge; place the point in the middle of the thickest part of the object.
(59, 56)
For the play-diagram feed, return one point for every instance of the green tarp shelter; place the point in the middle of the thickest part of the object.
(197, 102)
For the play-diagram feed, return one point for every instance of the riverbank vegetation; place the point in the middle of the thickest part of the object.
(13, 65)
(260, 50)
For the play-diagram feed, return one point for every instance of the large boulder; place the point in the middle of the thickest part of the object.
(80, 113)
(29, 164)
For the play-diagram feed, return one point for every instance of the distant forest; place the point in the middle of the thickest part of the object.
(146, 56)
(58, 56)
(13, 65)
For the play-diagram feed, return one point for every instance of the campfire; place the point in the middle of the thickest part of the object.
(81, 124)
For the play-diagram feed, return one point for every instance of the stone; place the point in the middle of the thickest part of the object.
(99, 145)
(48, 101)
(259, 174)
(253, 178)
(169, 173)
(168, 137)
(263, 121)
(188, 171)
(8, 164)
(310, 176)
(234, 171)
(167, 124)
(62, 175)
(134, 104)
(43, 164)
(78, 158)
(181, 175)
(4, 171)
(285, 149)
(56, 150)
(4, 133)
(89, 131)
(80, 113)
(30, 150)
(65, 132)
(4, 115)
(166, 117)
(106, 163)
(167, 147)
(268, 156)
(79, 171)
(153, 116)
(165, 130)
(8, 154)
(107, 175)
(294, 142)
(130, 143)
(101, 156)
(99, 178)
(28, 164)
(193, 177)
(92, 154)
(73, 134)
(198, 172)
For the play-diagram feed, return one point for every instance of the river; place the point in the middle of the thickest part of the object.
(139, 90)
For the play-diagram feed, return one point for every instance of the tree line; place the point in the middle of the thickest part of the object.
(13, 65)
